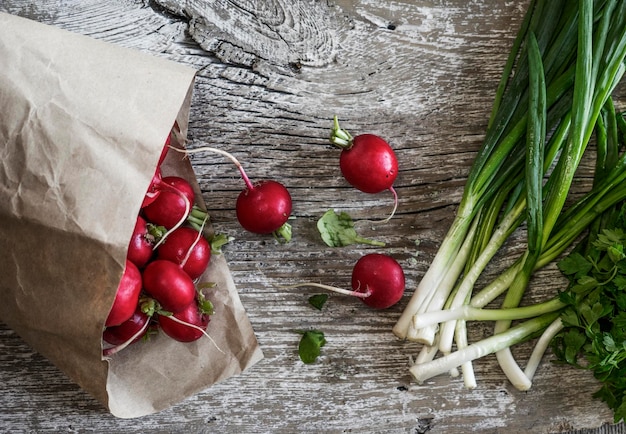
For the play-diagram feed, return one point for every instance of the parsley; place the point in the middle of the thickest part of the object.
(310, 345)
(594, 333)
(337, 230)
(318, 300)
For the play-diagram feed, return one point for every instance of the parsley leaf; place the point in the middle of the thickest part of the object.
(595, 317)
(337, 230)
(310, 345)
(575, 264)
(318, 300)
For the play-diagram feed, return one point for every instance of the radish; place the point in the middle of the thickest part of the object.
(170, 286)
(129, 330)
(367, 162)
(140, 246)
(173, 203)
(188, 248)
(153, 191)
(263, 207)
(181, 185)
(377, 279)
(186, 326)
(127, 296)
(380, 276)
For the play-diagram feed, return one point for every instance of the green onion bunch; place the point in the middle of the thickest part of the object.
(553, 99)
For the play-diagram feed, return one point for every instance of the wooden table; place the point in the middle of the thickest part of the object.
(271, 75)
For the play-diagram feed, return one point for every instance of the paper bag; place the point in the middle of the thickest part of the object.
(82, 128)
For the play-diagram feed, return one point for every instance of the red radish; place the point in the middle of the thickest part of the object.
(181, 185)
(191, 324)
(377, 279)
(140, 246)
(263, 207)
(380, 276)
(170, 286)
(188, 248)
(127, 296)
(127, 330)
(367, 161)
(153, 191)
(173, 203)
(370, 164)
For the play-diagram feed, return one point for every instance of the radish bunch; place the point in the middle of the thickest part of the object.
(167, 253)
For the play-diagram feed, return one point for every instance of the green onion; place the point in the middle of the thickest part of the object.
(554, 93)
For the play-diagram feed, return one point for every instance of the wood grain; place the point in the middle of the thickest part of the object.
(271, 74)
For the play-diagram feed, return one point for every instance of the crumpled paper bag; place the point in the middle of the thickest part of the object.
(82, 128)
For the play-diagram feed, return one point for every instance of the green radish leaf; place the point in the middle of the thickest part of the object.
(620, 320)
(155, 232)
(310, 345)
(217, 241)
(620, 302)
(204, 304)
(149, 306)
(609, 343)
(337, 230)
(621, 127)
(318, 300)
(620, 282)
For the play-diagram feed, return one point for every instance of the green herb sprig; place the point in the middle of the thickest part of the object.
(594, 321)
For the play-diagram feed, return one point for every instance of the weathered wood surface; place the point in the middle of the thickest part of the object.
(271, 74)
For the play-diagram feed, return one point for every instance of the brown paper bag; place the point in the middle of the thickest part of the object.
(82, 128)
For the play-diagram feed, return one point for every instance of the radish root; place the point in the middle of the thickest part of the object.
(193, 326)
(365, 294)
(108, 352)
(180, 222)
(186, 258)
